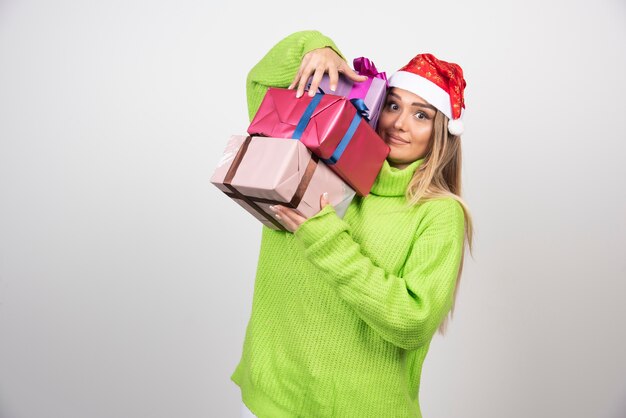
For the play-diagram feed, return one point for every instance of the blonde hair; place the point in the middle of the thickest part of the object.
(439, 176)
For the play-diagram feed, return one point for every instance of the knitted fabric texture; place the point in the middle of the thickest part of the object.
(344, 309)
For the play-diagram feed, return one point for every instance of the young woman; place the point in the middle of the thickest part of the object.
(344, 310)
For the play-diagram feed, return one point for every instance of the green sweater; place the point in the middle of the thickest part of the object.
(344, 309)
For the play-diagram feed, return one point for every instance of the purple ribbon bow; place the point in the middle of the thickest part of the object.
(363, 66)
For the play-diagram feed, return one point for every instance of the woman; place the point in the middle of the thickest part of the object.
(344, 309)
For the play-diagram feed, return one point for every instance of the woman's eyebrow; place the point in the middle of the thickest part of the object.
(426, 105)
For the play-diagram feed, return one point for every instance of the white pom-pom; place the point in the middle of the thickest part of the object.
(455, 126)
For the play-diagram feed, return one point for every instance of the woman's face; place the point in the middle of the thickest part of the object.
(406, 125)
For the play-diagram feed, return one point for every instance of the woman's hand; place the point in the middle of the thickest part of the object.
(292, 219)
(316, 63)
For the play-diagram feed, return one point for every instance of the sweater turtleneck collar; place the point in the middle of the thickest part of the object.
(392, 181)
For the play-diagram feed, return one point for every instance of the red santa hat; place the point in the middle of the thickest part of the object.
(438, 82)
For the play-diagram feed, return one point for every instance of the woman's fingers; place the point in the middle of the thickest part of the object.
(317, 77)
(289, 217)
(315, 64)
(350, 73)
(304, 78)
(333, 75)
(296, 79)
(324, 200)
(299, 74)
(292, 219)
(287, 222)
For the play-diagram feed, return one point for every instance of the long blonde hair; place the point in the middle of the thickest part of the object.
(439, 176)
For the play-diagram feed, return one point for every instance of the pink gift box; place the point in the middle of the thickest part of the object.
(368, 96)
(260, 172)
(330, 127)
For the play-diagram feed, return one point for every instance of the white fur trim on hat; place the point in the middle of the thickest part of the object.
(424, 88)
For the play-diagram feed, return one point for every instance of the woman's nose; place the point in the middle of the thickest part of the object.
(400, 121)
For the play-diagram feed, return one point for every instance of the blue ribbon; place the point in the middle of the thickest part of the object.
(361, 108)
(306, 116)
(344, 141)
(362, 113)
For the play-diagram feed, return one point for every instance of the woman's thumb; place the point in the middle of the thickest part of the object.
(324, 200)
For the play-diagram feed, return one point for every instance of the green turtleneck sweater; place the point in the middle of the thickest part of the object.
(344, 309)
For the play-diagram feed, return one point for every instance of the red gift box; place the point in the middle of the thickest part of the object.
(330, 127)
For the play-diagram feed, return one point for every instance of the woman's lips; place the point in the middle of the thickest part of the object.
(396, 140)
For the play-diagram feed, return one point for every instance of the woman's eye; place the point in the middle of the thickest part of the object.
(392, 106)
(421, 115)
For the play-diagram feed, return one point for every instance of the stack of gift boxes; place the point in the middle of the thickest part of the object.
(298, 148)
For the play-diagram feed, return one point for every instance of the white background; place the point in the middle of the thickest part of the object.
(126, 278)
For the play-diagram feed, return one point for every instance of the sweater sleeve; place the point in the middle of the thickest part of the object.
(280, 65)
(405, 309)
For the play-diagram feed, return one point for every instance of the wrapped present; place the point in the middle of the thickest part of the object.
(260, 172)
(330, 127)
(367, 96)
